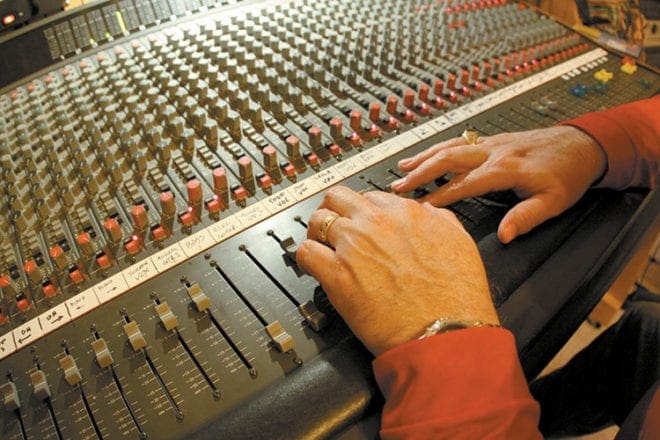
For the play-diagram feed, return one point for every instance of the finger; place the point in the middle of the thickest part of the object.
(455, 160)
(317, 260)
(411, 163)
(526, 215)
(384, 200)
(344, 201)
(472, 184)
(318, 221)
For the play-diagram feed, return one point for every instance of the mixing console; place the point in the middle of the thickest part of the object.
(159, 168)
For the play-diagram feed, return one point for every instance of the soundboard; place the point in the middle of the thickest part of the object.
(160, 161)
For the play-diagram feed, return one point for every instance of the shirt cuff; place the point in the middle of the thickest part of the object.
(454, 379)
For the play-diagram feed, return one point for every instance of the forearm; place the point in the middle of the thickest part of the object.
(465, 383)
(630, 137)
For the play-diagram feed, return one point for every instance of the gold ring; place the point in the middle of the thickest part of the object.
(470, 136)
(325, 226)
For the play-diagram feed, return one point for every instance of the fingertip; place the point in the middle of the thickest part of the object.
(404, 163)
(507, 232)
(397, 184)
(315, 259)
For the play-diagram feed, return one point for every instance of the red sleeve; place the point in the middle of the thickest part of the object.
(630, 136)
(461, 384)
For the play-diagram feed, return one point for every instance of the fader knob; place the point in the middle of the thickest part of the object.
(102, 353)
(70, 369)
(195, 197)
(58, 257)
(8, 286)
(40, 385)
(86, 244)
(198, 297)
(33, 271)
(10, 396)
(135, 336)
(356, 120)
(113, 230)
(166, 316)
(140, 217)
(336, 128)
(392, 103)
(374, 112)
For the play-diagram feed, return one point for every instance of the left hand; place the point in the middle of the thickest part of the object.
(395, 266)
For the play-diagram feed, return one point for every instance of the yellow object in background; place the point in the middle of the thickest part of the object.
(628, 68)
(603, 76)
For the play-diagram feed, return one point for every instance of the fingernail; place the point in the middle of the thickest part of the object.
(397, 183)
(509, 232)
(404, 162)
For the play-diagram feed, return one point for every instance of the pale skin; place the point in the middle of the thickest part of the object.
(392, 266)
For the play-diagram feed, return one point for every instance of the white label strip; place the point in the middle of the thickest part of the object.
(225, 228)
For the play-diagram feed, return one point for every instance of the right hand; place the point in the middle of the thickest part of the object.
(549, 168)
(393, 266)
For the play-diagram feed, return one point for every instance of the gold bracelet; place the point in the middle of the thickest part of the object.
(444, 325)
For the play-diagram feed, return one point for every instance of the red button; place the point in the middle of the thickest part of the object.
(29, 266)
(409, 116)
(159, 233)
(76, 276)
(49, 290)
(214, 205)
(392, 123)
(5, 281)
(56, 251)
(133, 246)
(4, 319)
(355, 138)
(424, 109)
(265, 181)
(334, 149)
(313, 159)
(104, 261)
(23, 304)
(239, 193)
(289, 170)
(188, 218)
(83, 238)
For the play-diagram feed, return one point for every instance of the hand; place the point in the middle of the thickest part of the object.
(549, 168)
(395, 266)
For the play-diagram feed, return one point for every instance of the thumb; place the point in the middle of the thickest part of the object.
(527, 215)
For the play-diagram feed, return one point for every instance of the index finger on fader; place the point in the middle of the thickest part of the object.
(345, 201)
